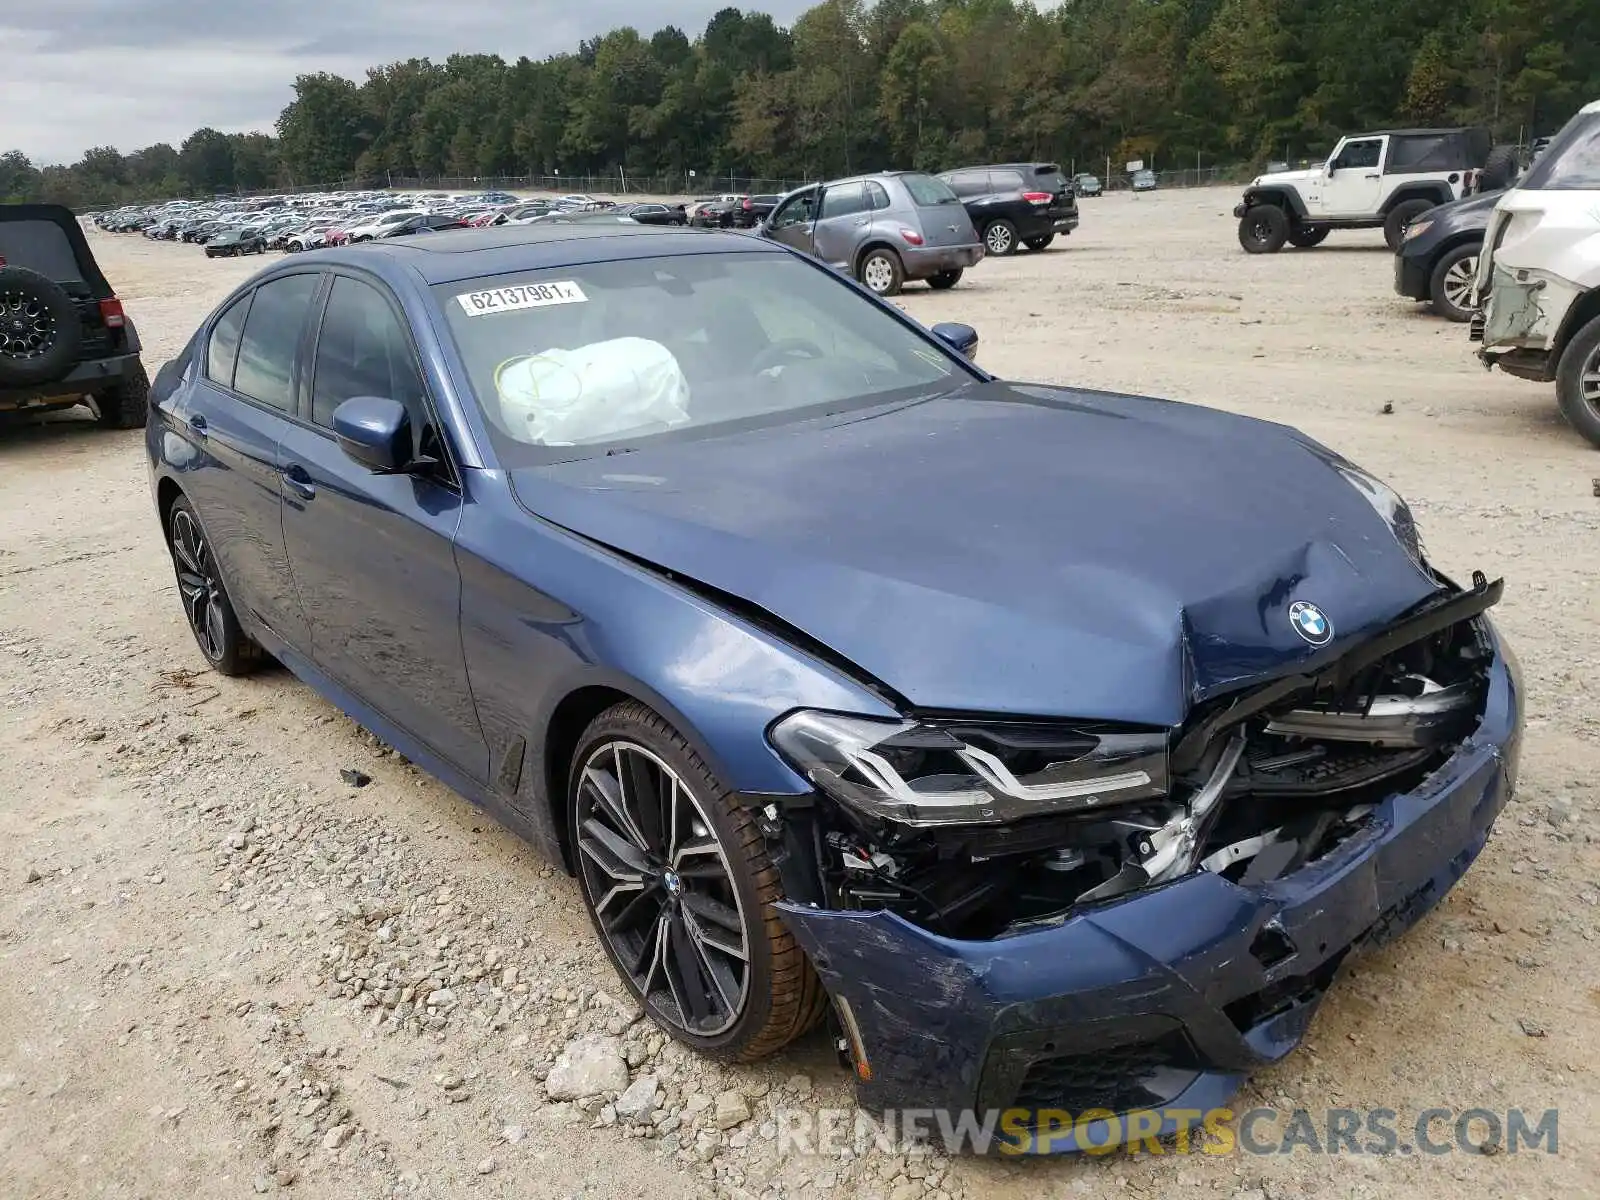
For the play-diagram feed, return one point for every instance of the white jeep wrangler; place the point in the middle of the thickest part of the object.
(1538, 281)
(1384, 179)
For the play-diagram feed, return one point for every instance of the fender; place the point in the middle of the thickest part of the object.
(1434, 193)
(1283, 197)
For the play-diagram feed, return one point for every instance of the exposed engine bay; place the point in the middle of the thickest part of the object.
(1254, 786)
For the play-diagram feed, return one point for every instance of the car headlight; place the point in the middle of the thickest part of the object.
(1416, 229)
(924, 773)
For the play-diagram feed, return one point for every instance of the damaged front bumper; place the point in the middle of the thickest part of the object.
(1162, 999)
(1523, 314)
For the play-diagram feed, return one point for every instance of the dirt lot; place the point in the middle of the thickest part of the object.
(205, 935)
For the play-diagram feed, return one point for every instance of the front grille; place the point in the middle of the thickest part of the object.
(1119, 1078)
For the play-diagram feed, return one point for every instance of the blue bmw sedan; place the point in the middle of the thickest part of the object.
(1057, 746)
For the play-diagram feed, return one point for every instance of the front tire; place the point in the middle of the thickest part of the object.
(1578, 382)
(677, 881)
(1450, 285)
(1400, 216)
(1263, 229)
(881, 272)
(205, 601)
(945, 280)
(1000, 239)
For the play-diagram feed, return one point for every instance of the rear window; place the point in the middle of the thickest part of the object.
(40, 246)
(926, 191)
(1572, 163)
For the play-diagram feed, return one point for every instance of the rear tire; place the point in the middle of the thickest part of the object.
(1450, 285)
(881, 272)
(672, 869)
(1263, 229)
(1000, 238)
(1304, 237)
(126, 405)
(1578, 382)
(945, 280)
(1040, 243)
(1400, 216)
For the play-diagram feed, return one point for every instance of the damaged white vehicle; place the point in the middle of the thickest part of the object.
(1538, 280)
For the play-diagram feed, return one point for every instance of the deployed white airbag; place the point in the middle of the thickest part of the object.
(593, 393)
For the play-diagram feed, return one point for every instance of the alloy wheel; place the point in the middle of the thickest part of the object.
(1458, 281)
(199, 585)
(998, 240)
(27, 327)
(1589, 380)
(878, 275)
(661, 889)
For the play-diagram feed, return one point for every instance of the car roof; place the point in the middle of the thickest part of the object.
(1412, 132)
(459, 254)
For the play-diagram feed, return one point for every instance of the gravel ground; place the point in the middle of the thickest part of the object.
(224, 971)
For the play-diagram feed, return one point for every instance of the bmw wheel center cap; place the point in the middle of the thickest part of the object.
(1310, 623)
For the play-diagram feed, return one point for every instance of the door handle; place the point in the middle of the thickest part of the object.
(863, 221)
(299, 482)
(197, 425)
(1374, 175)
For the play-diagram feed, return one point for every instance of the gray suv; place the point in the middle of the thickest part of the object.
(883, 229)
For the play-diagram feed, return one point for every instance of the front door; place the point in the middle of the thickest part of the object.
(793, 221)
(1355, 178)
(373, 555)
(234, 420)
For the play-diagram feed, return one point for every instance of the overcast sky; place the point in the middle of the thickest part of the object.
(126, 73)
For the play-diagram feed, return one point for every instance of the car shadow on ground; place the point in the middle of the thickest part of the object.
(25, 431)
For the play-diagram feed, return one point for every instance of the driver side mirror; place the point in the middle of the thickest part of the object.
(376, 432)
(963, 339)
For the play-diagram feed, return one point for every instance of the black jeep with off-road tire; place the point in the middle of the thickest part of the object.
(64, 339)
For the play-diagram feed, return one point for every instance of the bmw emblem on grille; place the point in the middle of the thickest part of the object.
(1310, 623)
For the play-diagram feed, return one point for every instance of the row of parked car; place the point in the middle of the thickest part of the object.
(1441, 196)
(883, 228)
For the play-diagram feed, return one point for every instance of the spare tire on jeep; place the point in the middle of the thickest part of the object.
(39, 330)
(1500, 169)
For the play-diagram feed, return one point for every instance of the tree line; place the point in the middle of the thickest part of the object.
(905, 83)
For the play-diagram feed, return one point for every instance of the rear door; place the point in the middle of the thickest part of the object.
(237, 413)
(373, 555)
(938, 212)
(842, 223)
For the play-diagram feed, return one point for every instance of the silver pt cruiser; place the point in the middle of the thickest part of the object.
(881, 229)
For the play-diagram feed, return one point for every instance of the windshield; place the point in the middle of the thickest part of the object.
(572, 362)
(1572, 163)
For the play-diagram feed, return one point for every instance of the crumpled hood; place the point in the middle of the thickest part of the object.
(1017, 549)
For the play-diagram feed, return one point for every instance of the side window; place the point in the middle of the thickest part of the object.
(844, 201)
(967, 183)
(1005, 181)
(796, 212)
(1364, 153)
(363, 350)
(223, 348)
(272, 338)
(877, 197)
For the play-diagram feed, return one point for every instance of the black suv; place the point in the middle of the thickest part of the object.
(1016, 202)
(64, 338)
(1438, 255)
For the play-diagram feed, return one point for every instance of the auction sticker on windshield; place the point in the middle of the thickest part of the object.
(527, 295)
